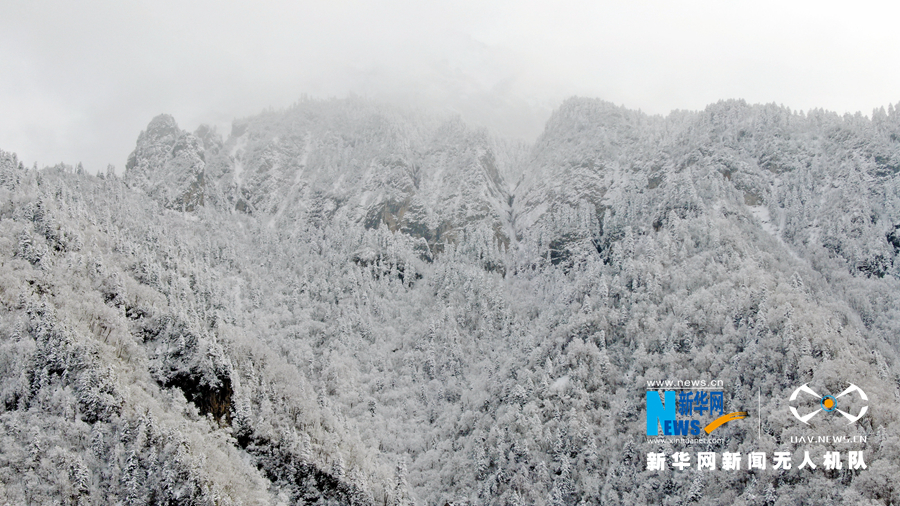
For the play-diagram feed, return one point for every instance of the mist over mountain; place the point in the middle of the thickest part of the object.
(346, 302)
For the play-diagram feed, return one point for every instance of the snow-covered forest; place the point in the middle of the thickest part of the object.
(346, 302)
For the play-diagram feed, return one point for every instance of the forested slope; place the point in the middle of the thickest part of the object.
(379, 306)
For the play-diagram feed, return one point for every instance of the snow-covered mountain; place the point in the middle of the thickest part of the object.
(332, 161)
(353, 303)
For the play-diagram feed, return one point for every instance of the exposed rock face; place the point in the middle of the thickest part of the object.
(319, 161)
(352, 161)
(168, 164)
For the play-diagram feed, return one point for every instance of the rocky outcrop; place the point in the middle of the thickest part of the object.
(322, 162)
(169, 165)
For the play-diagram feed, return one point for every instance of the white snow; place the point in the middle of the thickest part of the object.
(237, 154)
(560, 384)
(298, 184)
(299, 176)
(761, 213)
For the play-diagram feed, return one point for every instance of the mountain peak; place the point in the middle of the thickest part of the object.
(162, 126)
(168, 163)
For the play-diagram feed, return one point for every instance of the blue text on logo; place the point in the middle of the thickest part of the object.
(658, 413)
(664, 413)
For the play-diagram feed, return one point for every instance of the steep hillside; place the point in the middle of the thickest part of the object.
(127, 374)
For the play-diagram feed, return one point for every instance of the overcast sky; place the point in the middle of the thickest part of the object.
(80, 80)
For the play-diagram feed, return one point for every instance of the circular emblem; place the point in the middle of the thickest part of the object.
(829, 403)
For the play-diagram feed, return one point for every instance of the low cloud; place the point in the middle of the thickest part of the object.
(81, 80)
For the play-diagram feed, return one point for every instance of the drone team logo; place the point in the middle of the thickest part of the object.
(829, 403)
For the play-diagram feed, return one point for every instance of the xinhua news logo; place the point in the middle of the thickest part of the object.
(813, 403)
(685, 412)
